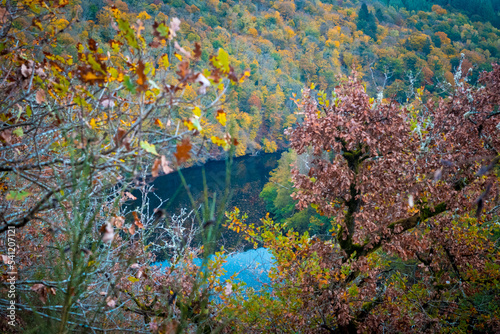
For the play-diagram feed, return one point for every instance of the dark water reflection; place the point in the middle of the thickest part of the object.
(249, 174)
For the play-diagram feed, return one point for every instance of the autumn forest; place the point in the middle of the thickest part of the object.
(147, 145)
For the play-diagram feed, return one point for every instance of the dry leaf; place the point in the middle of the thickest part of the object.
(41, 290)
(131, 229)
(164, 165)
(6, 136)
(120, 133)
(203, 82)
(197, 50)
(175, 26)
(130, 196)
(410, 201)
(183, 149)
(228, 289)
(107, 102)
(170, 328)
(156, 168)
(137, 220)
(4, 16)
(40, 96)
(25, 71)
(182, 50)
(117, 221)
(110, 302)
(107, 232)
(153, 326)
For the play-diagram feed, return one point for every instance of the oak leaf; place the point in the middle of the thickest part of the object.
(183, 149)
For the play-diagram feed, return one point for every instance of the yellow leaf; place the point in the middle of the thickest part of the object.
(178, 56)
(37, 23)
(93, 124)
(221, 117)
(245, 75)
(197, 111)
(143, 16)
(312, 86)
(164, 61)
(218, 141)
(189, 125)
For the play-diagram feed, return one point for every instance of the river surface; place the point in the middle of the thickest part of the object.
(251, 267)
(249, 174)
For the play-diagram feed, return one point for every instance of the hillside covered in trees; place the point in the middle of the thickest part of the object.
(381, 217)
(398, 46)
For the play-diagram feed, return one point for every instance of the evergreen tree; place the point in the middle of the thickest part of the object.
(363, 13)
(366, 22)
(379, 15)
(426, 49)
(436, 40)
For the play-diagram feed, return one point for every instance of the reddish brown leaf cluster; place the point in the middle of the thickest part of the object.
(183, 151)
(387, 183)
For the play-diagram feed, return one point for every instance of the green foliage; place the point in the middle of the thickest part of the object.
(277, 194)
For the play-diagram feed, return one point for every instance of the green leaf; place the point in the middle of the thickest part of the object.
(28, 111)
(196, 123)
(353, 290)
(128, 32)
(18, 132)
(150, 148)
(163, 30)
(95, 65)
(17, 195)
(129, 84)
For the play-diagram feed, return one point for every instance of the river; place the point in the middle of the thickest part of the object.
(248, 177)
(249, 174)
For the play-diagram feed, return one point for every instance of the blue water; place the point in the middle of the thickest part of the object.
(252, 267)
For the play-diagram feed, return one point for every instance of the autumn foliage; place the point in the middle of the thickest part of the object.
(77, 136)
(412, 192)
(396, 167)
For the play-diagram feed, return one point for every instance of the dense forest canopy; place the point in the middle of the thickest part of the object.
(382, 215)
(396, 45)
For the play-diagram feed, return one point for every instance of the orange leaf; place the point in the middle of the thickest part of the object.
(183, 149)
(159, 123)
(141, 80)
(137, 221)
(156, 168)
